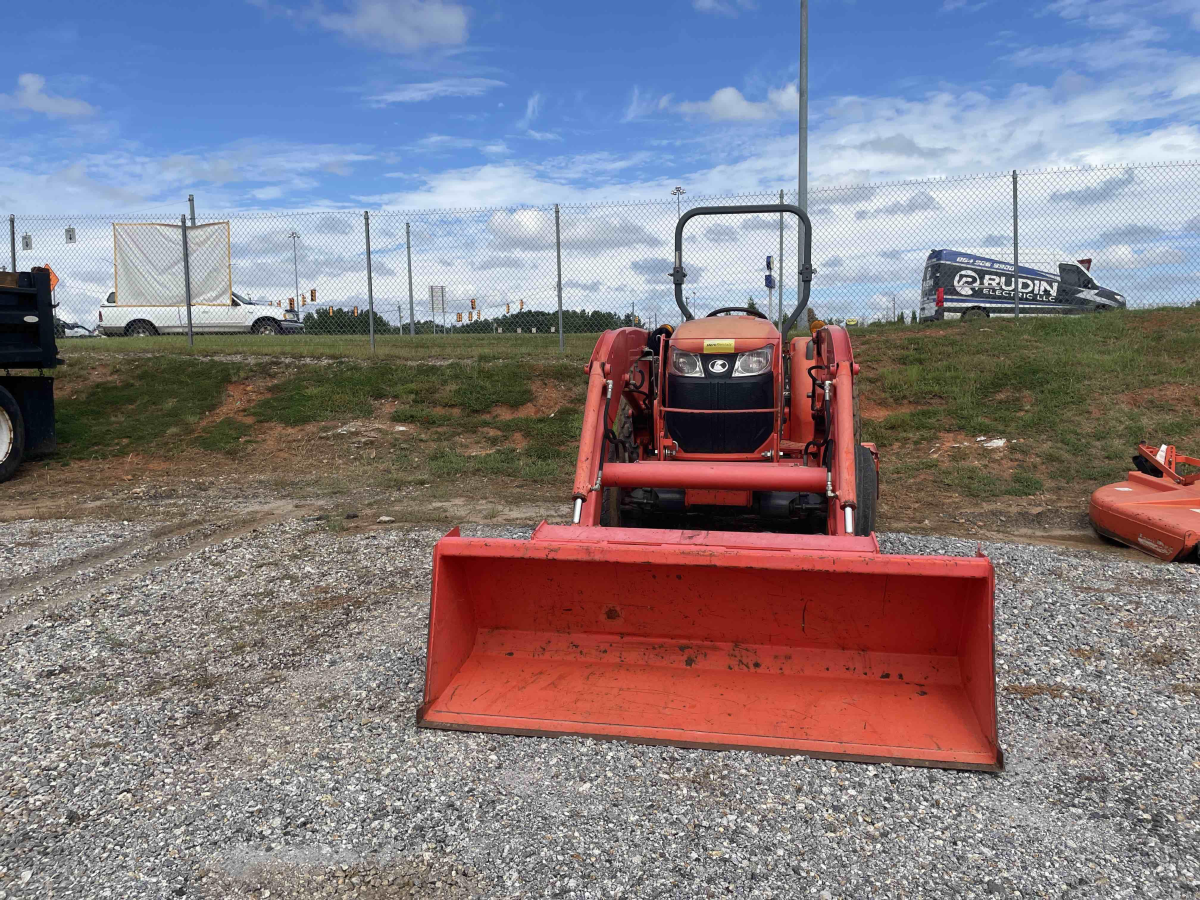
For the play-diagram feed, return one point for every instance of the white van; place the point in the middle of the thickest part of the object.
(241, 316)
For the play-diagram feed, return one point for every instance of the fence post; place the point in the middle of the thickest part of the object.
(187, 281)
(412, 319)
(1016, 265)
(370, 281)
(192, 213)
(12, 240)
(779, 266)
(558, 252)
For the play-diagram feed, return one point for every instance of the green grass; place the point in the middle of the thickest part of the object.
(1062, 386)
(348, 390)
(422, 347)
(1078, 393)
(151, 405)
(224, 436)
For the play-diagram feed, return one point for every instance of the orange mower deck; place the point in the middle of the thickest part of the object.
(1155, 510)
(784, 643)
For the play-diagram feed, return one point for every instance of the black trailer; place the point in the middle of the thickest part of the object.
(28, 356)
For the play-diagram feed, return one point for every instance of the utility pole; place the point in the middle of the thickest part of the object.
(192, 208)
(677, 193)
(295, 236)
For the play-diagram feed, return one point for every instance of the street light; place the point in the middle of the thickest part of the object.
(295, 236)
(677, 193)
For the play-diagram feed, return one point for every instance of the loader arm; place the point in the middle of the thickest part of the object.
(614, 357)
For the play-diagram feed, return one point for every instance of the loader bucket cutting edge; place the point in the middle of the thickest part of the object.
(786, 644)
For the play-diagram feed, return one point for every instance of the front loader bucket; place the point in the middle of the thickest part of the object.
(782, 643)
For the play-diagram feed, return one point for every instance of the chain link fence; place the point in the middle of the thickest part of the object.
(381, 274)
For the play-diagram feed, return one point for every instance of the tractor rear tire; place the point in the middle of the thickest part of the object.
(12, 435)
(866, 489)
(610, 498)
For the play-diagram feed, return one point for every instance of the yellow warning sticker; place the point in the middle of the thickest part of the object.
(724, 346)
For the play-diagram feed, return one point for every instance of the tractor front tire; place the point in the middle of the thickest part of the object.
(12, 435)
(866, 489)
(610, 498)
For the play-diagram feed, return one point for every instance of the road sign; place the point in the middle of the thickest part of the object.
(437, 298)
(70, 235)
(53, 277)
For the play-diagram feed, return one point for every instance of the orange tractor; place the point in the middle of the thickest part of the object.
(787, 630)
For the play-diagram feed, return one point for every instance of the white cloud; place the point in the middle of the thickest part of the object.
(726, 105)
(431, 90)
(730, 105)
(1122, 256)
(31, 95)
(542, 135)
(533, 106)
(394, 26)
(723, 7)
(399, 26)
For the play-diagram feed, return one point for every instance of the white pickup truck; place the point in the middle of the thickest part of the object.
(240, 316)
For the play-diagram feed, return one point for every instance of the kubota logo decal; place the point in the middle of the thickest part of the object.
(717, 366)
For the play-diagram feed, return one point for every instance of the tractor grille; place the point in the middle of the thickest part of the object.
(727, 429)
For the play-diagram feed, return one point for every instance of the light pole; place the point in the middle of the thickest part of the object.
(802, 91)
(677, 193)
(295, 236)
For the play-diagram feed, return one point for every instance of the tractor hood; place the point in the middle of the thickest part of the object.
(724, 334)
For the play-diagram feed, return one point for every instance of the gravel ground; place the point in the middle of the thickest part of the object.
(30, 547)
(238, 722)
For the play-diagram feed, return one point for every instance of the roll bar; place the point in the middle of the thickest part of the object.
(806, 271)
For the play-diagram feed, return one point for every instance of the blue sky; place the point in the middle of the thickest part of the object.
(435, 103)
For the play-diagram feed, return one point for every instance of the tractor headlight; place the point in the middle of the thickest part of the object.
(686, 364)
(754, 362)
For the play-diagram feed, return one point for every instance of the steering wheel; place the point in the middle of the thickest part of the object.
(739, 309)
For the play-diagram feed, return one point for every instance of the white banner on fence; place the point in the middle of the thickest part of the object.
(148, 264)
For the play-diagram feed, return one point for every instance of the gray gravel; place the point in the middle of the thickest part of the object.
(239, 723)
(29, 547)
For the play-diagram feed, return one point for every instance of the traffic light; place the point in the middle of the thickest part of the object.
(291, 302)
(314, 296)
(521, 305)
(458, 317)
(356, 310)
(507, 308)
(472, 303)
